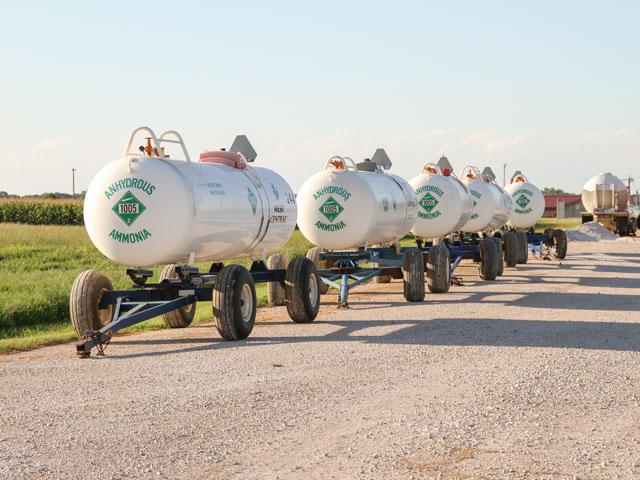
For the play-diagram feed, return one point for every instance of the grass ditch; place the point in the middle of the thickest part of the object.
(38, 264)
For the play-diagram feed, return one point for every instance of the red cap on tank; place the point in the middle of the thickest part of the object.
(234, 160)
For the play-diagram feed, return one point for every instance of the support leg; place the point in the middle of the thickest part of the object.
(343, 301)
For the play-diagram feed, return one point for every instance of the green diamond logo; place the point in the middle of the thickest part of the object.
(129, 208)
(474, 204)
(428, 202)
(523, 201)
(252, 200)
(331, 209)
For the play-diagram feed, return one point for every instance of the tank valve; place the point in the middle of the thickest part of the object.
(148, 148)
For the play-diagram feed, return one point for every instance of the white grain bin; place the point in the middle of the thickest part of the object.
(144, 208)
(528, 202)
(348, 205)
(444, 203)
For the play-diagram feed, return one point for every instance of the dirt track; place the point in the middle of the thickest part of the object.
(534, 376)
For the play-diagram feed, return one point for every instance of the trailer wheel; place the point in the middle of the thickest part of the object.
(510, 249)
(548, 232)
(275, 291)
(386, 278)
(234, 302)
(302, 290)
(489, 257)
(438, 266)
(523, 247)
(622, 226)
(560, 241)
(313, 254)
(413, 275)
(499, 260)
(86, 293)
(182, 317)
(382, 278)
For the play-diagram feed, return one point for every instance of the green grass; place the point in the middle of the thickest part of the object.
(563, 223)
(38, 264)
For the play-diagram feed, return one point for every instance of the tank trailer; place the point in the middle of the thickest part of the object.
(147, 209)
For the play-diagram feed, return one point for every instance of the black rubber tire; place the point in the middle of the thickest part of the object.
(382, 278)
(386, 278)
(499, 260)
(181, 317)
(302, 290)
(489, 256)
(510, 249)
(622, 227)
(413, 275)
(85, 295)
(548, 232)
(275, 291)
(438, 269)
(313, 254)
(228, 290)
(523, 247)
(560, 241)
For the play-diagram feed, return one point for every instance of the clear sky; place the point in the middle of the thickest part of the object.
(549, 87)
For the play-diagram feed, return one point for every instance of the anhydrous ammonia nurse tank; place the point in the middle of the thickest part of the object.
(502, 200)
(444, 203)
(484, 204)
(528, 202)
(349, 205)
(146, 208)
(150, 209)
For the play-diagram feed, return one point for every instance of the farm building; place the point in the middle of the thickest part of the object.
(562, 206)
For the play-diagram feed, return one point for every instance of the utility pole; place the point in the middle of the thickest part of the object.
(504, 174)
(73, 181)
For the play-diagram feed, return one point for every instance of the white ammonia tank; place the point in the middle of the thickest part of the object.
(348, 205)
(145, 209)
(502, 201)
(484, 204)
(444, 203)
(605, 192)
(528, 202)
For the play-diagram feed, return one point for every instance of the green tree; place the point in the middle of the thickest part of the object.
(554, 191)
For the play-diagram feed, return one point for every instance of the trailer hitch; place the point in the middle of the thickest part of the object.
(93, 338)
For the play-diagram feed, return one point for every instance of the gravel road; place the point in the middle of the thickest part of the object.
(535, 376)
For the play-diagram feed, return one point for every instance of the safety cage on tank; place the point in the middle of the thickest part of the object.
(97, 311)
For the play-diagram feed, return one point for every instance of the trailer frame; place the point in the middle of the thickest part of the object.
(348, 270)
(146, 301)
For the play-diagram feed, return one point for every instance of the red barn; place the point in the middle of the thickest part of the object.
(572, 205)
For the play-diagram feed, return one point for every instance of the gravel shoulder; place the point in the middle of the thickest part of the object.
(534, 376)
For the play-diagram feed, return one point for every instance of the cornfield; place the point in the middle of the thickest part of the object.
(42, 212)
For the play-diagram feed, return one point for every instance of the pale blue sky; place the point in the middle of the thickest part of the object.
(551, 88)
